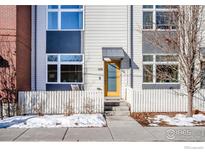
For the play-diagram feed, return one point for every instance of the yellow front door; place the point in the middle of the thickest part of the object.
(112, 78)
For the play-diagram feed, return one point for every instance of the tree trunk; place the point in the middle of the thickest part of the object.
(190, 104)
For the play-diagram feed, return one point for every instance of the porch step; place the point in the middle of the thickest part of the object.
(113, 99)
(120, 103)
(116, 108)
(117, 113)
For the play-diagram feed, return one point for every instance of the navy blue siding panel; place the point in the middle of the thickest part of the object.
(55, 87)
(63, 42)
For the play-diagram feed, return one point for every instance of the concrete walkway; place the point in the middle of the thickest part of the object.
(119, 128)
(127, 129)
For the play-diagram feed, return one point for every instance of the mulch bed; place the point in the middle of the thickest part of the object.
(142, 117)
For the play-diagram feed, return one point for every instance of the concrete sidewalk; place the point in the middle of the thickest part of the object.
(119, 128)
(127, 129)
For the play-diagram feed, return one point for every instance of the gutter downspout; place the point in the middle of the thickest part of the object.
(131, 45)
(35, 46)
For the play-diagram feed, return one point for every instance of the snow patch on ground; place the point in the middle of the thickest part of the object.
(76, 120)
(153, 125)
(178, 120)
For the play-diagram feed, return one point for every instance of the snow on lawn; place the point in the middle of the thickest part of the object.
(76, 120)
(178, 120)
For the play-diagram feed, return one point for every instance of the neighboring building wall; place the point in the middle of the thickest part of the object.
(23, 50)
(8, 45)
(105, 26)
(33, 47)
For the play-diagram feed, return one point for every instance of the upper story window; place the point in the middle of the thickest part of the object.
(159, 16)
(65, 17)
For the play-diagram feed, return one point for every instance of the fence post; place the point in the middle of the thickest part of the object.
(1, 109)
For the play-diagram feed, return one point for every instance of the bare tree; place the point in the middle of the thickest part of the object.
(183, 35)
(8, 66)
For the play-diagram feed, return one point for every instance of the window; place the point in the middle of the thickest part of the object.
(71, 73)
(71, 58)
(147, 58)
(166, 73)
(159, 16)
(52, 58)
(71, 20)
(65, 68)
(160, 69)
(166, 58)
(147, 73)
(52, 73)
(52, 20)
(147, 20)
(147, 6)
(53, 7)
(71, 6)
(164, 20)
(203, 74)
(166, 6)
(65, 17)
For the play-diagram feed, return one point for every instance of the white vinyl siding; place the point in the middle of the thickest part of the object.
(137, 37)
(105, 26)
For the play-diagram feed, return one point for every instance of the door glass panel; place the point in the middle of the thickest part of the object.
(112, 82)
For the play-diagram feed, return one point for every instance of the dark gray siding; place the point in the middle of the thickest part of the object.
(160, 86)
(63, 42)
(152, 43)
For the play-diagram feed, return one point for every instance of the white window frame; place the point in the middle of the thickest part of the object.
(154, 63)
(154, 10)
(59, 10)
(59, 63)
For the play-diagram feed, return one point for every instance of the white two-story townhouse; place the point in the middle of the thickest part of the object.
(104, 48)
(97, 48)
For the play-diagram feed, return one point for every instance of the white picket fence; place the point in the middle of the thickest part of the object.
(60, 102)
(162, 100)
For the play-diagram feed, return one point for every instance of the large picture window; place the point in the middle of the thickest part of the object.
(159, 16)
(64, 68)
(65, 17)
(160, 69)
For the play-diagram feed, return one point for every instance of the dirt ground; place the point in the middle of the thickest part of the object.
(143, 117)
